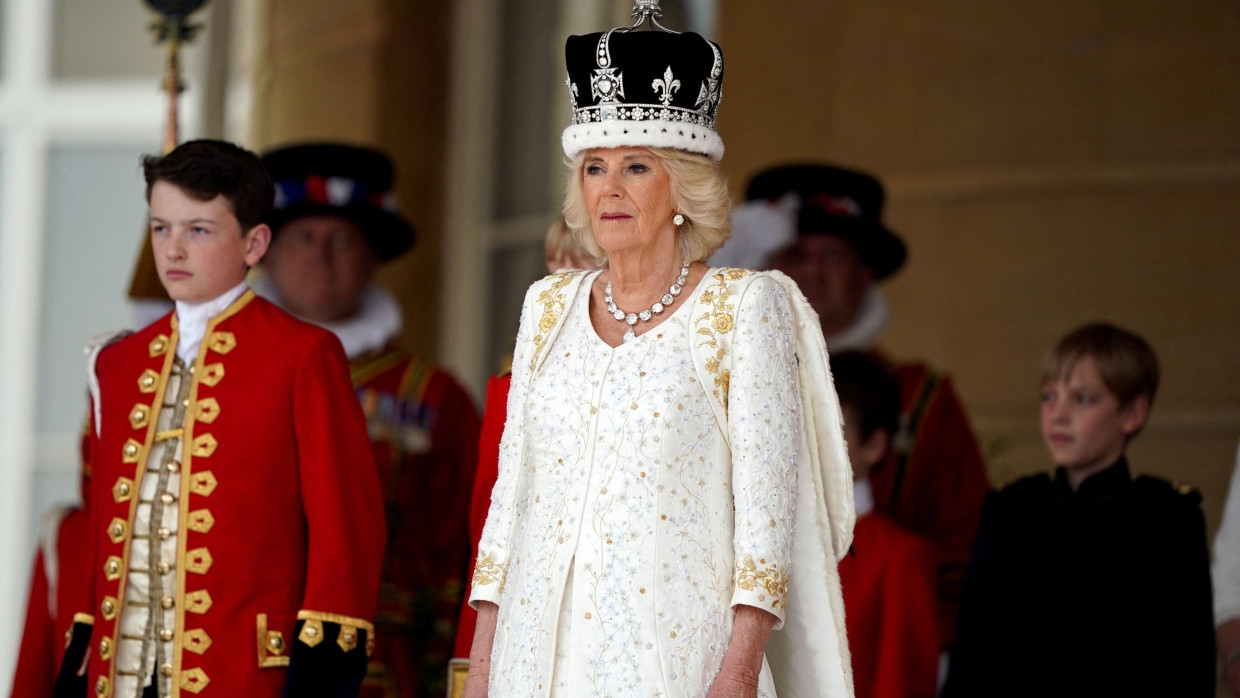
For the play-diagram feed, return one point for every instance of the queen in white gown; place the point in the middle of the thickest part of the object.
(670, 434)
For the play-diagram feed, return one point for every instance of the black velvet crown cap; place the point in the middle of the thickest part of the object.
(643, 88)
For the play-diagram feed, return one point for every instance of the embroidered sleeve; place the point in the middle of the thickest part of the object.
(764, 424)
(493, 546)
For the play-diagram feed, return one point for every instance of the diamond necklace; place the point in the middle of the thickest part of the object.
(645, 315)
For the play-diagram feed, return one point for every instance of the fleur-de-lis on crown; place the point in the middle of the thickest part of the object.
(666, 86)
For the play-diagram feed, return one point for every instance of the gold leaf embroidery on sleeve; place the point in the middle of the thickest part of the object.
(552, 300)
(716, 323)
(768, 581)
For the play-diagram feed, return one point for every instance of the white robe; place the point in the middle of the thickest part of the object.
(628, 517)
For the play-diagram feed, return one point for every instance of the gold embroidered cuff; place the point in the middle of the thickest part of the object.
(765, 579)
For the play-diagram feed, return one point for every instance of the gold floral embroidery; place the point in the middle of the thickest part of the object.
(552, 300)
(488, 572)
(769, 581)
(716, 323)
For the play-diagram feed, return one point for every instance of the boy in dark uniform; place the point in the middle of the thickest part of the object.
(1090, 582)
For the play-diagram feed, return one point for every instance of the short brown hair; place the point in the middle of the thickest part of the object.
(699, 193)
(205, 169)
(1126, 362)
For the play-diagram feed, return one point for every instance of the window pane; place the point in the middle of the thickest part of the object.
(95, 219)
(527, 75)
(111, 39)
(3, 25)
(512, 269)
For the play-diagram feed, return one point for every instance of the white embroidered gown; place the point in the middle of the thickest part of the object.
(623, 527)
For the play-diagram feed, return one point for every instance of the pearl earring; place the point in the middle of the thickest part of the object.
(678, 219)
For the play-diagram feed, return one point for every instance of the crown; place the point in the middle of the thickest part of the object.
(643, 88)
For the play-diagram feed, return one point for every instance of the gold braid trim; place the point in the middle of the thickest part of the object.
(336, 618)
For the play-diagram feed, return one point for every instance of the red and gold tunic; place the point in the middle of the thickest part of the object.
(424, 436)
(228, 516)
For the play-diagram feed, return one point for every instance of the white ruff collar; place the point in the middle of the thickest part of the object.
(377, 321)
(863, 496)
(192, 321)
(871, 320)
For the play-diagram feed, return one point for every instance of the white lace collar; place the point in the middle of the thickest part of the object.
(871, 321)
(863, 496)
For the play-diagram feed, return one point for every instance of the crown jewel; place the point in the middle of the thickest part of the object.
(643, 88)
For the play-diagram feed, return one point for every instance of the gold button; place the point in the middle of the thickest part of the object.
(105, 646)
(123, 488)
(311, 631)
(165, 670)
(167, 498)
(165, 635)
(185, 403)
(131, 450)
(173, 466)
(276, 642)
(164, 534)
(107, 607)
(113, 566)
(163, 568)
(167, 602)
(118, 529)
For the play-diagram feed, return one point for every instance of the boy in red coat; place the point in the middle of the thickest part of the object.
(237, 520)
(889, 579)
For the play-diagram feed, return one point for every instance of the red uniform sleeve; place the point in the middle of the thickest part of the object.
(40, 653)
(340, 489)
(496, 413)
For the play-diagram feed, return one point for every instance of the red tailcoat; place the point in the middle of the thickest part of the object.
(47, 623)
(933, 482)
(424, 435)
(59, 587)
(494, 416)
(279, 509)
(890, 610)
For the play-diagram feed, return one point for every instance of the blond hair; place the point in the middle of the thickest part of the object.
(1126, 363)
(699, 192)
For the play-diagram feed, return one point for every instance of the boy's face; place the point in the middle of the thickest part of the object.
(200, 251)
(1083, 425)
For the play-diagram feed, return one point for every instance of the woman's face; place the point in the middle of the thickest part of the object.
(629, 196)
